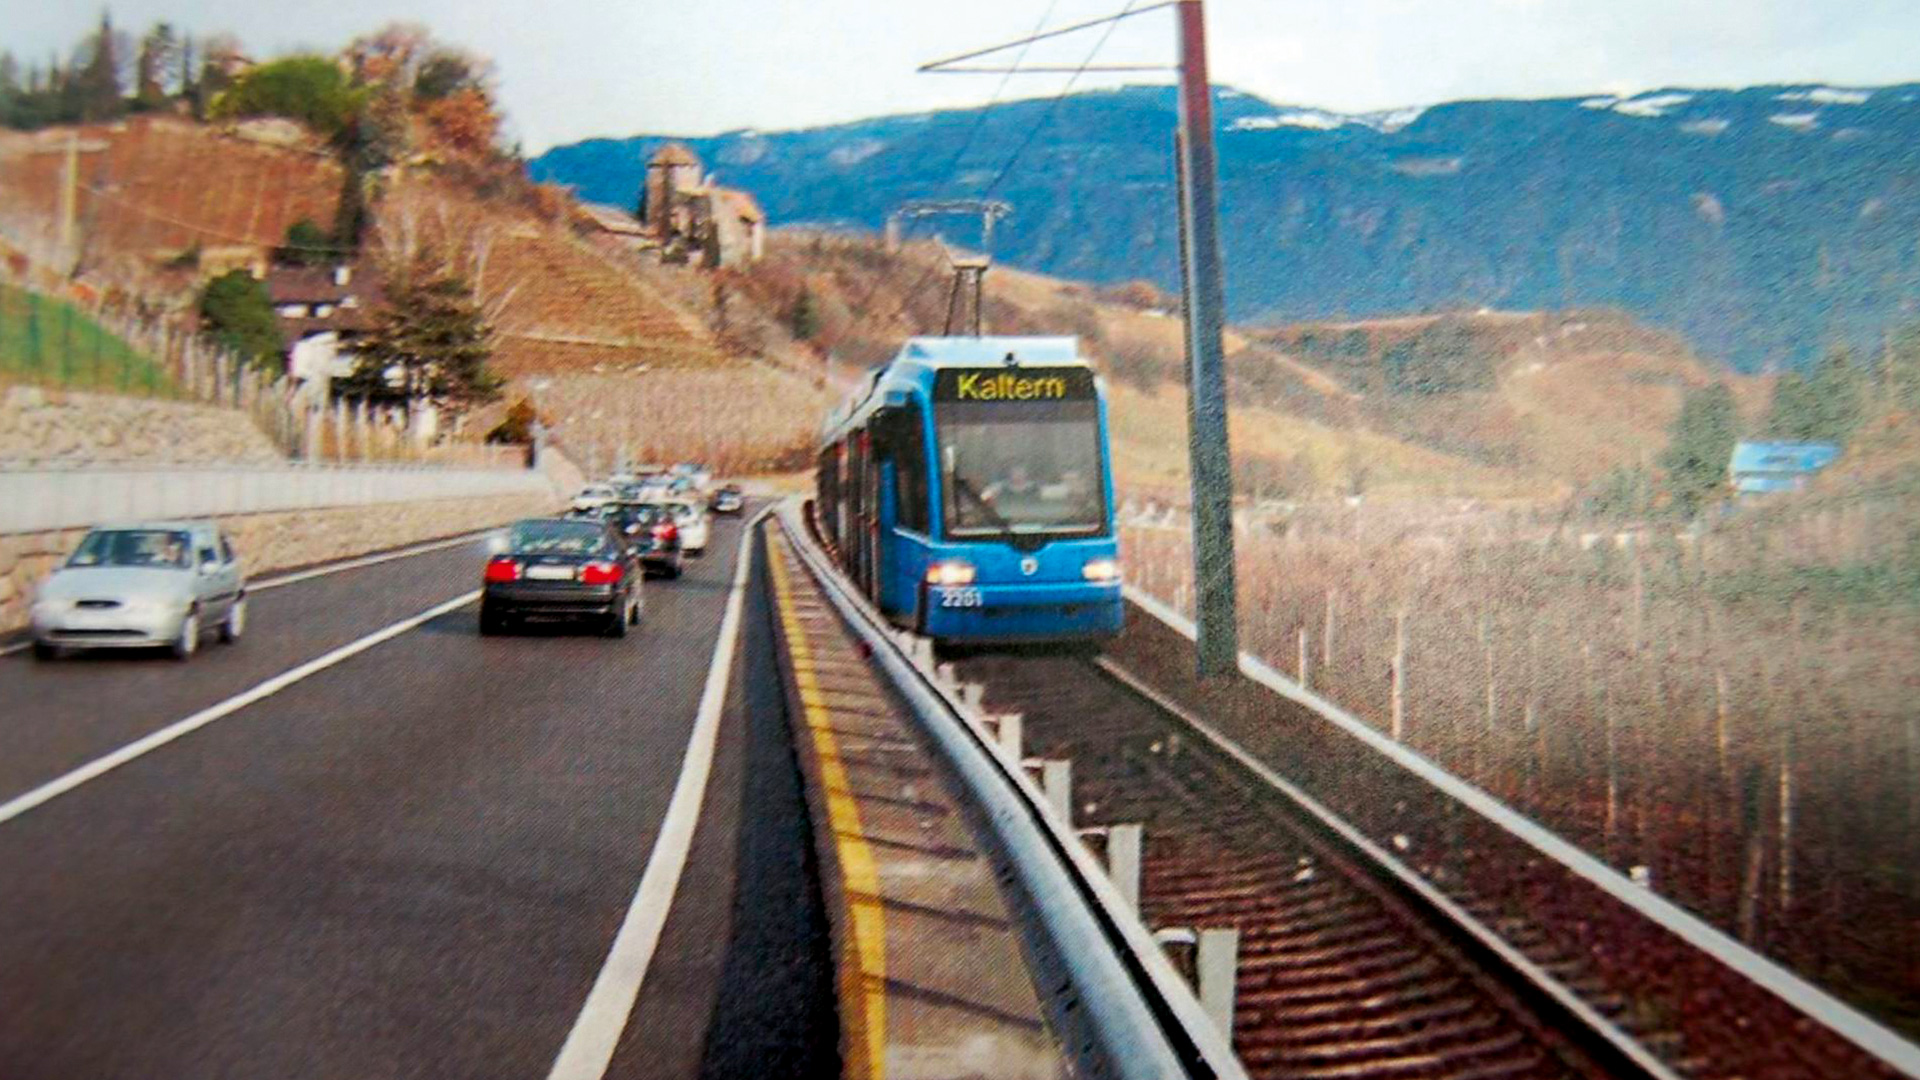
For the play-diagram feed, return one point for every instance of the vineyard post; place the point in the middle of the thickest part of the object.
(34, 343)
(1326, 633)
(1486, 646)
(1530, 717)
(1613, 762)
(1399, 702)
(1786, 721)
(1638, 629)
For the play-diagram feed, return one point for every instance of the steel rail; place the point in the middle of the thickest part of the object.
(1115, 1000)
(1830, 1012)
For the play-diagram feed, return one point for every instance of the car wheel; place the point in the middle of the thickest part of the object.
(45, 650)
(187, 641)
(617, 624)
(490, 621)
(633, 612)
(235, 623)
(674, 570)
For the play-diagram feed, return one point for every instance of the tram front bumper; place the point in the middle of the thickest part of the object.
(1017, 613)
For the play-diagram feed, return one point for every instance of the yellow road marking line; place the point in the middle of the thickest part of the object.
(863, 955)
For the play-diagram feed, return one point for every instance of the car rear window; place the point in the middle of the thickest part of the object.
(557, 537)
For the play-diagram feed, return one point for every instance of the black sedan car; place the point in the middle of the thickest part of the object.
(563, 568)
(649, 527)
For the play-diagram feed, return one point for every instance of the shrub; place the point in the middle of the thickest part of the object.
(310, 89)
(306, 244)
(236, 310)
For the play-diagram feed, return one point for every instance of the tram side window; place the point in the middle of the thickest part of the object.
(830, 492)
(910, 469)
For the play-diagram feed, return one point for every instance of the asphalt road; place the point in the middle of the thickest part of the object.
(410, 864)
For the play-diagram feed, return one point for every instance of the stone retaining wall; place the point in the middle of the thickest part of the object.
(278, 541)
(62, 425)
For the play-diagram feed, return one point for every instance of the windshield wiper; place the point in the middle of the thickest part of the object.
(999, 520)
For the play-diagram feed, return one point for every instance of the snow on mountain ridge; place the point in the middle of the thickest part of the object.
(1656, 105)
(1827, 95)
(1385, 121)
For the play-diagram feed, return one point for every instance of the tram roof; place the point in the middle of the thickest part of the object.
(977, 351)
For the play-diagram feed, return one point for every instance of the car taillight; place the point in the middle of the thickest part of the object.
(665, 532)
(600, 573)
(502, 568)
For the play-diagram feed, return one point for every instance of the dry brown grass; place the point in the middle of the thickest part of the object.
(742, 419)
(1734, 712)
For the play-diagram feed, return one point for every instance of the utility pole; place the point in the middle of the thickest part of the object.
(1210, 465)
(69, 192)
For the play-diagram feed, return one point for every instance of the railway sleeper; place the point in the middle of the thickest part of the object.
(1410, 983)
(1254, 943)
(1387, 954)
(1388, 1038)
(1281, 973)
(1321, 1030)
(1451, 1064)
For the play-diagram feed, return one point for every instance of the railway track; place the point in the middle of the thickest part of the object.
(1392, 922)
(1340, 973)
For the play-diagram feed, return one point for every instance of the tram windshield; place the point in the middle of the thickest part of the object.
(1021, 467)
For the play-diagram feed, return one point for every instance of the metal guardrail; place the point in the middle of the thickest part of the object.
(70, 497)
(1116, 1001)
(1825, 1009)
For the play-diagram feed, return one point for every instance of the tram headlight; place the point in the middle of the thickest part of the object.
(950, 572)
(1101, 571)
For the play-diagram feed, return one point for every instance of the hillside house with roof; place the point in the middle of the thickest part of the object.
(322, 311)
(1761, 468)
(693, 219)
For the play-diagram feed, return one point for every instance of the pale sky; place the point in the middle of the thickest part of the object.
(570, 69)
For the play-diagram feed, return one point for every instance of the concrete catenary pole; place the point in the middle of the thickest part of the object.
(1209, 462)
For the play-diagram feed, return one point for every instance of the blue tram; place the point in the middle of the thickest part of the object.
(966, 487)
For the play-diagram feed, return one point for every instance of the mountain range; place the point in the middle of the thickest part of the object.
(1764, 224)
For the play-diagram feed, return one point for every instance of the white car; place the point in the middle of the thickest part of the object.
(595, 496)
(160, 584)
(698, 475)
(691, 519)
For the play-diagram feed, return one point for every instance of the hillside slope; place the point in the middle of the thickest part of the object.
(1567, 395)
(1298, 435)
(155, 187)
(1761, 224)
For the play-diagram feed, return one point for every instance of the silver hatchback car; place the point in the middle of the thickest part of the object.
(128, 586)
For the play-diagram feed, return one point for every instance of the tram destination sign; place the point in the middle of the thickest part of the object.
(1014, 384)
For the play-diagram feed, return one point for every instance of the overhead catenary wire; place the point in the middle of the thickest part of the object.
(1053, 107)
(952, 170)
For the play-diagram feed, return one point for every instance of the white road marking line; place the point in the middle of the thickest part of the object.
(366, 560)
(609, 1005)
(327, 568)
(13, 808)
